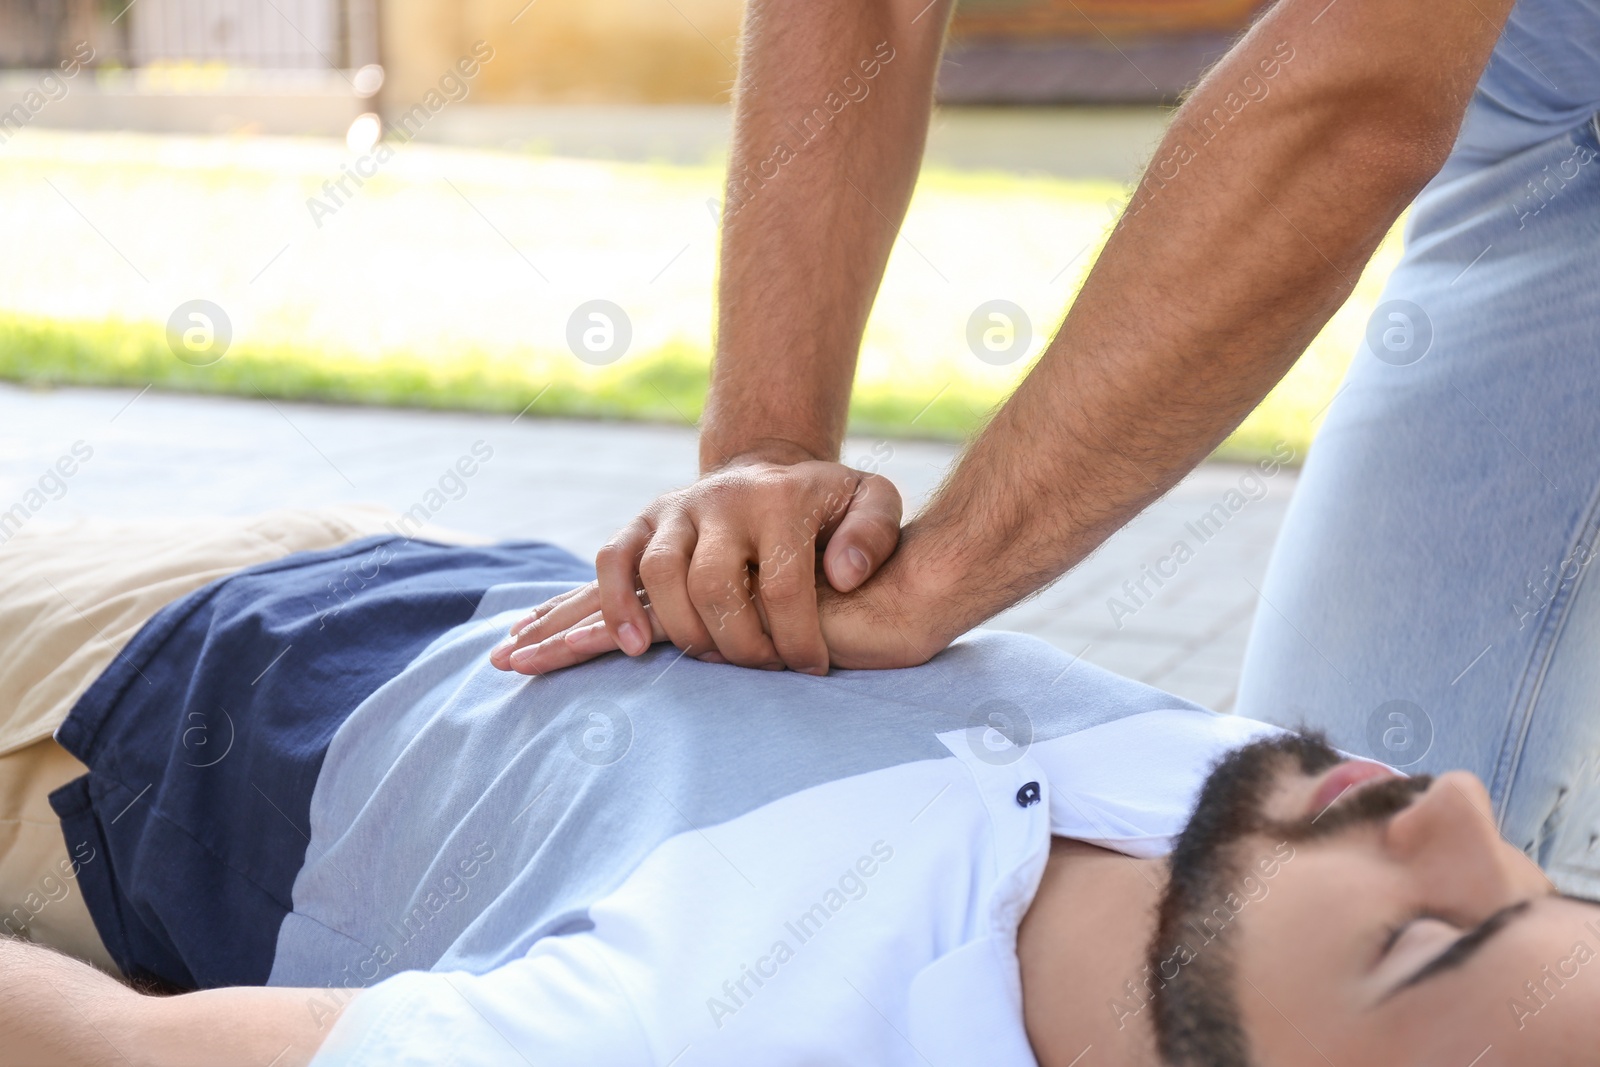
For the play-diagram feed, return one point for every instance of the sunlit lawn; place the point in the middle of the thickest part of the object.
(448, 280)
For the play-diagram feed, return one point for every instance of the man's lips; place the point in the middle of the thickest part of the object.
(1343, 778)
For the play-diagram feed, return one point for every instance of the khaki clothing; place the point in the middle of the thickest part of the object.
(71, 598)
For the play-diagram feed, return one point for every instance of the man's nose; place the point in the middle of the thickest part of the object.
(1449, 840)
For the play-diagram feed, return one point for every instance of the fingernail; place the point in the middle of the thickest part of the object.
(712, 657)
(524, 656)
(631, 640)
(857, 560)
(503, 646)
(523, 623)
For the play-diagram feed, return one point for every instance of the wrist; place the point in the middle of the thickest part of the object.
(142, 1026)
(281, 1025)
(165, 1029)
(778, 450)
(921, 586)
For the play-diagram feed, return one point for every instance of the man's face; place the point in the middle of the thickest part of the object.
(1396, 927)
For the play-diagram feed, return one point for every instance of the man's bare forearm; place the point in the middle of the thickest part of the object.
(830, 120)
(56, 1010)
(1277, 180)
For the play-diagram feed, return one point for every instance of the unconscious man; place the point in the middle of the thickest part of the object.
(303, 818)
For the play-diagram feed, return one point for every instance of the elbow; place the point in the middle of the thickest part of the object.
(1397, 153)
(1390, 125)
(1375, 143)
(1398, 123)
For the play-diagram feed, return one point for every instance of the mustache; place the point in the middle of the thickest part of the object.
(1372, 803)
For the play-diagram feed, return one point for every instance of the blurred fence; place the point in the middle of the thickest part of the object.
(1086, 51)
(260, 34)
(618, 51)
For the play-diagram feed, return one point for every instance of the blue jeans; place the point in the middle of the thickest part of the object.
(1430, 601)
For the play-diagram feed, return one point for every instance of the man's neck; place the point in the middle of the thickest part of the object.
(1081, 948)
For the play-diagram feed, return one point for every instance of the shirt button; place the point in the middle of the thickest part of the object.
(1028, 795)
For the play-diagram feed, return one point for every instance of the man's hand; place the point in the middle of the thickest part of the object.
(1224, 267)
(881, 625)
(729, 568)
(733, 558)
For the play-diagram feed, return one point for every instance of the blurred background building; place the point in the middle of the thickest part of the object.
(289, 66)
(1085, 51)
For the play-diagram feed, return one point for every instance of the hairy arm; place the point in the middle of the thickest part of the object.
(59, 1011)
(1278, 178)
(831, 114)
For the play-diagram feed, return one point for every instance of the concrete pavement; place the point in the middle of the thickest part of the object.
(1174, 618)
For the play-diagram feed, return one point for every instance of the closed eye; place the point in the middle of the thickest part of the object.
(1460, 950)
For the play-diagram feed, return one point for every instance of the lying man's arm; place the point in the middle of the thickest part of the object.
(56, 1010)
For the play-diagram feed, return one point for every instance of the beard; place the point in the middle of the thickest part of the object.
(1212, 878)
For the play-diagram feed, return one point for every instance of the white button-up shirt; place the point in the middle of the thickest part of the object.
(870, 920)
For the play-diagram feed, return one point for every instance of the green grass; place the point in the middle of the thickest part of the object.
(668, 385)
(447, 283)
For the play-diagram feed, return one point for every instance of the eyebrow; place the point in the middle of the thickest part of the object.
(1463, 948)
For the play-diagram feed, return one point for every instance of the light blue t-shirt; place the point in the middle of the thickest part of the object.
(1542, 79)
(463, 813)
